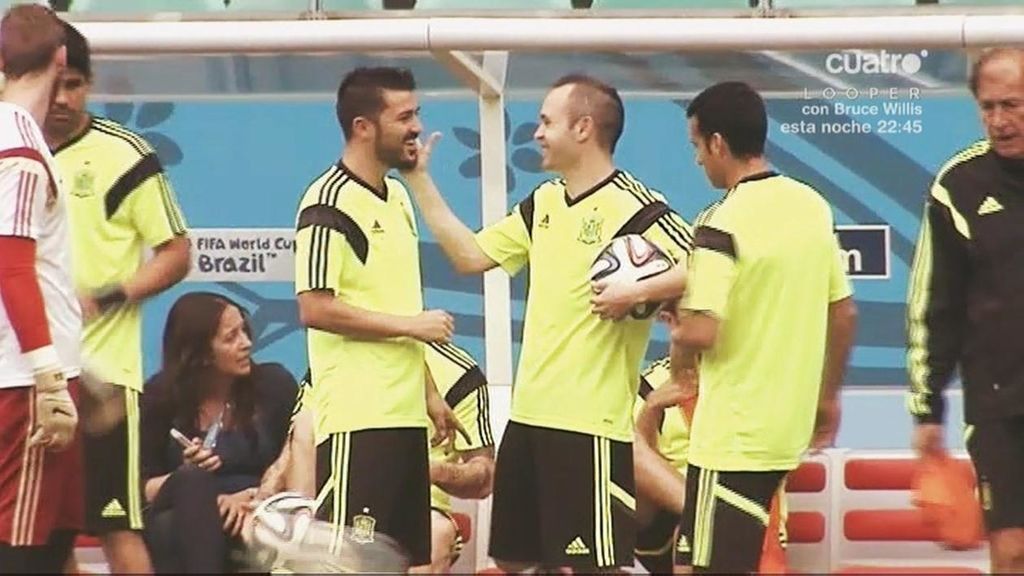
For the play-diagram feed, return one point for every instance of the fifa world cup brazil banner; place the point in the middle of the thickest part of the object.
(239, 169)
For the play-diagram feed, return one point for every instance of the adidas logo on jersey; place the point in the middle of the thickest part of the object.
(545, 221)
(989, 206)
(377, 228)
(113, 509)
(683, 545)
(577, 548)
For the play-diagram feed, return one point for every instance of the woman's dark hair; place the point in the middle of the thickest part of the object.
(187, 356)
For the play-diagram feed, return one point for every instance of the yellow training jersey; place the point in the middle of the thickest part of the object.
(462, 384)
(674, 439)
(359, 241)
(577, 372)
(770, 286)
(120, 202)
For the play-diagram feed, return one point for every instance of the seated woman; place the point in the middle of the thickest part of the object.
(230, 416)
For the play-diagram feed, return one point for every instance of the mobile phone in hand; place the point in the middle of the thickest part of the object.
(181, 438)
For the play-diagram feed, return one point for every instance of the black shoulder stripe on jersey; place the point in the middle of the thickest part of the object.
(526, 212)
(331, 218)
(715, 239)
(679, 235)
(483, 410)
(147, 167)
(645, 388)
(643, 219)
(452, 354)
(111, 128)
(468, 383)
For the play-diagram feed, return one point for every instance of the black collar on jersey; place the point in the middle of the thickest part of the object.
(1014, 166)
(590, 191)
(758, 176)
(74, 139)
(381, 192)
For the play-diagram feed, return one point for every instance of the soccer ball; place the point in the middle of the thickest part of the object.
(628, 259)
(280, 526)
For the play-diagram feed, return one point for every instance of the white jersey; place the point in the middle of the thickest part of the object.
(33, 205)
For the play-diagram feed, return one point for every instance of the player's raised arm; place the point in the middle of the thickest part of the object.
(455, 238)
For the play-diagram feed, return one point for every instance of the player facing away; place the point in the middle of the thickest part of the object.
(769, 310)
(40, 321)
(357, 277)
(119, 203)
(563, 489)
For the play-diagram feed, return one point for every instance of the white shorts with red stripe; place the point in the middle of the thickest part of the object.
(40, 491)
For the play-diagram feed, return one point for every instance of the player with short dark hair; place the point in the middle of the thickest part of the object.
(357, 277)
(769, 310)
(563, 492)
(40, 322)
(965, 308)
(120, 203)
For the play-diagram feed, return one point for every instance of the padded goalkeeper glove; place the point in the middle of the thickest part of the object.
(56, 416)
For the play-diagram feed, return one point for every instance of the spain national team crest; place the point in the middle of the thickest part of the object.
(590, 229)
(84, 182)
(363, 526)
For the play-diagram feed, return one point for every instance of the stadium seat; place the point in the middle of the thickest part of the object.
(268, 5)
(491, 5)
(134, 6)
(331, 5)
(841, 3)
(465, 524)
(669, 4)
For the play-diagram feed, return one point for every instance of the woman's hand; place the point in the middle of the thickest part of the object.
(234, 508)
(202, 458)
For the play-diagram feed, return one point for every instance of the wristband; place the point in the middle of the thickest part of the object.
(109, 297)
(43, 359)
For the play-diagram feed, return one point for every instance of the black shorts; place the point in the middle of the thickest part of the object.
(654, 542)
(562, 499)
(113, 486)
(997, 450)
(385, 477)
(724, 520)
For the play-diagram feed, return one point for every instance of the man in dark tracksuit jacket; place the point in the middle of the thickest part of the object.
(966, 303)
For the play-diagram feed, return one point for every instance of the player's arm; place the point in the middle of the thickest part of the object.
(471, 473)
(936, 313)
(24, 191)
(673, 235)
(937, 307)
(472, 476)
(153, 211)
(840, 332)
(456, 239)
(326, 241)
(657, 481)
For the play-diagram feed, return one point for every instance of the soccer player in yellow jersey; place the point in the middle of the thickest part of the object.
(357, 277)
(464, 470)
(660, 453)
(769, 309)
(120, 203)
(563, 492)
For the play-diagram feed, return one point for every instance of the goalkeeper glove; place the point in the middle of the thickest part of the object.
(56, 416)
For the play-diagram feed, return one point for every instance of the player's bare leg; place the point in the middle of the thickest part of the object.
(126, 552)
(1007, 551)
(442, 541)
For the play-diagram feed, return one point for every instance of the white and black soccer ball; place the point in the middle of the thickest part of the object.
(280, 526)
(628, 259)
